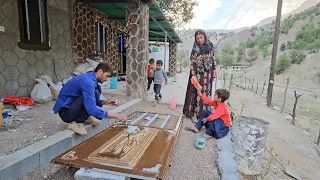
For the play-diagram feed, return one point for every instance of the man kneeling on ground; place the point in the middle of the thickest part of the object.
(78, 100)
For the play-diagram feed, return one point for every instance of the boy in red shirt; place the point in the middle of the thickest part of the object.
(151, 67)
(218, 122)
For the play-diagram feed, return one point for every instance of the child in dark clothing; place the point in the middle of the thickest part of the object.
(151, 67)
(218, 122)
(160, 76)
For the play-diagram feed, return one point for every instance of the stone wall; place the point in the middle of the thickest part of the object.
(137, 51)
(172, 58)
(85, 39)
(19, 68)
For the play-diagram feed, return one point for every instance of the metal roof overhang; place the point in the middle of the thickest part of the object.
(158, 24)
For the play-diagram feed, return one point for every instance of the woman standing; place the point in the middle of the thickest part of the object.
(204, 69)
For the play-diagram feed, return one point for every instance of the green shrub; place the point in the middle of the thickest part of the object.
(226, 59)
(283, 47)
(297, 56)
(228, 49)
(283, 63)
(265, 52)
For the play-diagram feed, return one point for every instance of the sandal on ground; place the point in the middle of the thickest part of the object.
(190, 129)
(194, 119)
(206, 136)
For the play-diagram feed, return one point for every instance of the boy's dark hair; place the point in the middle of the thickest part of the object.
(223, 94)
(159, 62)
(151, 61)
(105, 68)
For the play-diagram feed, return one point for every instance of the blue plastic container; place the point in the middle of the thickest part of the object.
(200, 142)
(5, 115)
(114, 83)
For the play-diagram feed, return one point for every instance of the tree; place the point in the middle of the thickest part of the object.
(283, 63)
(254, 28)
(228, 49)
(217, 58)
(265, 52)
(299, 44)
(252, 55)
(296, 56)
(240, 49)
(178, 13)
(253, 34)
(289, 44)
(283, 47)
(250, 43)
(241, 57)
(264, 41)
(227, 59)
(314, 47)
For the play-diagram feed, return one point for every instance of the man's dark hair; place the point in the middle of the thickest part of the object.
(105, 68)
(223, 94)
(160, 62)
(151, 61)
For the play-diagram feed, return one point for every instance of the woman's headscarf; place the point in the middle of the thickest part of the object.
(204, 48)
(202, 51)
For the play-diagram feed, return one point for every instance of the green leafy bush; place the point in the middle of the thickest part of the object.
(283, 63)
(297, 56)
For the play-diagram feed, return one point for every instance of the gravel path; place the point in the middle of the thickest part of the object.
(191, 163)
(187, 161)
(28, 127)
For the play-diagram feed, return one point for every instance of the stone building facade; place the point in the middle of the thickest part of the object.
(21, 64)
(137, 51)
(172, 58)
(61, 34)
(87, 22)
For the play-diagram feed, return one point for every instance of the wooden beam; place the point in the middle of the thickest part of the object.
(159, 25)
(151, 120)
(139, 118)
(157, 30)
(165, 121)
(113, 1)
(103, 1)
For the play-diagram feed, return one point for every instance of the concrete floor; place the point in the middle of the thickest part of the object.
(176, 86)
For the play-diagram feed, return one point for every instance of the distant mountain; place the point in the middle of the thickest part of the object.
(265, 24)
(236, 39)
(226, 30)
(306, 5)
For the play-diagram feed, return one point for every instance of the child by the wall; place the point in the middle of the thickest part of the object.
(160, 77)
(151, 67)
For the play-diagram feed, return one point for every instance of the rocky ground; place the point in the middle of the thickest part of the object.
(25, 128)
(292, 145)
(187, 162)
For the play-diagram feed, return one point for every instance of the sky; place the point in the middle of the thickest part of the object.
(214, 14)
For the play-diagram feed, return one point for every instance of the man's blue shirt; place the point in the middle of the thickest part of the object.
(83, 85)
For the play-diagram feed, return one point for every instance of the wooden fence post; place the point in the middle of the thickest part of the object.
(318, 141)
(297, 96)
(231, 79)
(264, 84)
(285, 95)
